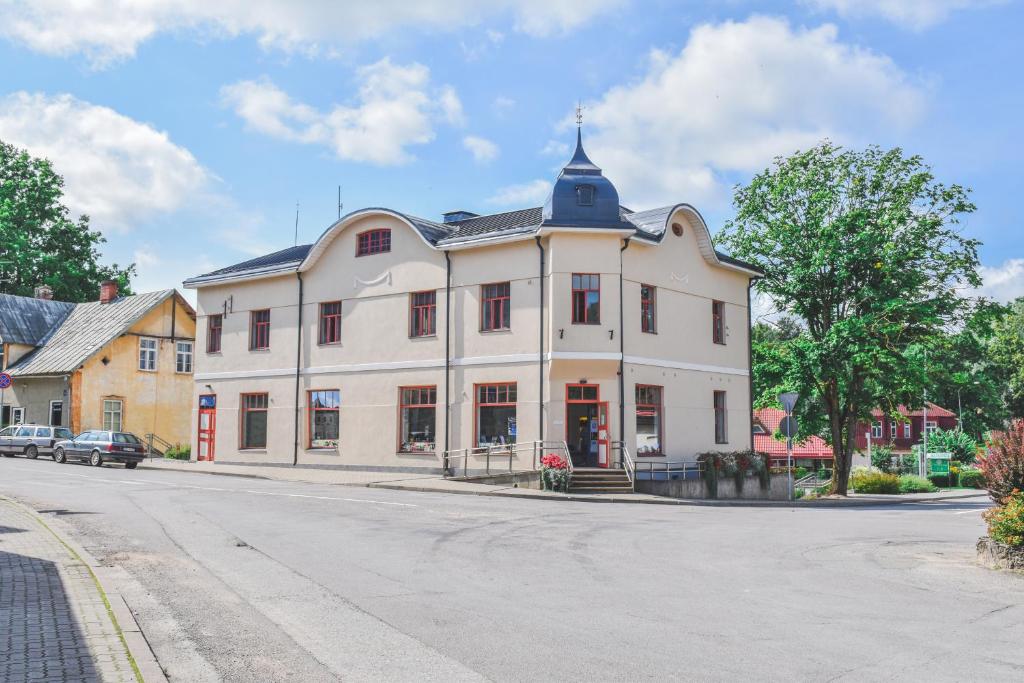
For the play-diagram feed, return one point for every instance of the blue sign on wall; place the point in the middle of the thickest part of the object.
(208, 401)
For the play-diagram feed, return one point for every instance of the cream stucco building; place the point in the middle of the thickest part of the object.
(393, 340)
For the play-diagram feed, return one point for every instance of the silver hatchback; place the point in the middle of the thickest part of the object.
(31, 440)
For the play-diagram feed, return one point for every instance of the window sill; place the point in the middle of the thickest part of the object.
(214, 353)
(721, 343)
(336, 343)
(423, 336)
(499, 330)
(596, 324)
(261, 350)
(430, 453)
(649, 331)
(650, 455)
(322, 449)
(252, 450)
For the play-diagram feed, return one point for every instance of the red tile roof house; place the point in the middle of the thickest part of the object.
(811, 453)
(903, 432)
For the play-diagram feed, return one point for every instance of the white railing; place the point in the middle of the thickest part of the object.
(504, 457)
(670, 468)
(625, 461)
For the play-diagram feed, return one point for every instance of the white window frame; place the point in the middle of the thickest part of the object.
(17, 415)
(906, 430)
(185, 355)
(931, 426)
(49, 415)
(109, 426)
(148, 356)
(876, 430)
(892, 430)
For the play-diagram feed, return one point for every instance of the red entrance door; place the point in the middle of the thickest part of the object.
(207, 426)
(603, 440)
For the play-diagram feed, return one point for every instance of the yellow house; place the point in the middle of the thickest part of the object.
(122, 363)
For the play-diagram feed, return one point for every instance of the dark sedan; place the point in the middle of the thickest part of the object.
(97, 447)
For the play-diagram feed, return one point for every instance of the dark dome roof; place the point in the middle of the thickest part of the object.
(582, 196)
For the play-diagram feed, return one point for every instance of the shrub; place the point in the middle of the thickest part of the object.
(736, 464)
(881, 458)
(911, 483)
(554, 473)
(1006, 522)
(800, 472)
(940, 480)
(179, 452)
(972, 479)
(873, 481)
(1003, 465)
(961, 445)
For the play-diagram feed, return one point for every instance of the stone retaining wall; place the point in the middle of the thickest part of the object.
(996, 555)
(697, 488)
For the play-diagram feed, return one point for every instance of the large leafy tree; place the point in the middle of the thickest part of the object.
(861, 247)
(39, 241)
(1007, 353)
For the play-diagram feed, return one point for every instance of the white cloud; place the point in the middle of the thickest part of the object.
(395, 109)
(117, 170)
(913, 14)
(1004, 282)
(501, 103)
(738, 94)
(482, 149)
(145, 257)
(556, 148)
(114, 29)
(532, 193)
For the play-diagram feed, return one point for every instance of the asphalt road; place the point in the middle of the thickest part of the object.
(242, 579)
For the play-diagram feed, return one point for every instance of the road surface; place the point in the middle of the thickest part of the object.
(240, 579)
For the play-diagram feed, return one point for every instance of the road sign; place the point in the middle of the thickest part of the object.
(789, 427)
(788, 400)
(5, 380)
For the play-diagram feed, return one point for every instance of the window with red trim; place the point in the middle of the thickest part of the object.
(721, 423)
(495, 414)
(214, 328)
(376, 241)
(648, 313)
(422, 314)
(718, 322)
(259, 330)
(495, 311)
(648, 420)
(417, 417)
(324, 413)
(254, 420)
(586, 299)
(330, 323)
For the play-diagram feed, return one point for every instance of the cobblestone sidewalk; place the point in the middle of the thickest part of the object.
(54, 624)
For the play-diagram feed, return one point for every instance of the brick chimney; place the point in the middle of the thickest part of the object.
(43, 292)
(108, 291)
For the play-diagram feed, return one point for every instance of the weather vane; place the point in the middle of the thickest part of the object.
(579, 114)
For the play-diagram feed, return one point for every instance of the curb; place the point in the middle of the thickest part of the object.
(148, 670)
(145, 466)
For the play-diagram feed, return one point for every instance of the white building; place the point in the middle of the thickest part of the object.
(393, 339)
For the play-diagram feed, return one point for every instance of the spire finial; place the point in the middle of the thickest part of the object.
(579, 114)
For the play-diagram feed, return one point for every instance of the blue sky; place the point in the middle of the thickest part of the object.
(189, 130)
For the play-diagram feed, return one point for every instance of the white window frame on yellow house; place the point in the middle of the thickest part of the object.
(148, 356)
(108, 410)
(183, 356)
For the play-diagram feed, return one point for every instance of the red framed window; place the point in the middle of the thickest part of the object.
(376, 241)
(324, 418)
(582, 393)
(495, 414)
(417, 418)
(721, 421)
(718, 322)
(330, 323)
(214, 328)
(648, 420)
(254, 420)
(586, 299)
(648, 312)
(495, 307)
(422, 314)
(259, 330)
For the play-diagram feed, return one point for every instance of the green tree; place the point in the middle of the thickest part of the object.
(39, 241)
(1007, 354)
(862, 248)
(960, 444)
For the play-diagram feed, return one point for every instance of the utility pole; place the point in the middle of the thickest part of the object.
(296, 242)
(339, 202)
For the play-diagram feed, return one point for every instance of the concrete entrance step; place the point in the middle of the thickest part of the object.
(599, 480)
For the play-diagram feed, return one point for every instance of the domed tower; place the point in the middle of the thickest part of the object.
(582, 196)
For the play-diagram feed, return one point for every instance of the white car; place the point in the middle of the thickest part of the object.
(31, 440)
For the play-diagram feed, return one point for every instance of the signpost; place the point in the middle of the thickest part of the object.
(5, 382)
(789, 427)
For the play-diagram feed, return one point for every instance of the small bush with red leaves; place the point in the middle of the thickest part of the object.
(1003, 464)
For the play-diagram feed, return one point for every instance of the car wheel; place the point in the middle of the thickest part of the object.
(58, 456)
(31, 452)
(8, 455)
(95, 460)
(130, 465)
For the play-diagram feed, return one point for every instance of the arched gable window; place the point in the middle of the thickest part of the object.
(376, 241)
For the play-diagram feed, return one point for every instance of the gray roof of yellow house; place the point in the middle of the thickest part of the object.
(25, 320)
(84, 331)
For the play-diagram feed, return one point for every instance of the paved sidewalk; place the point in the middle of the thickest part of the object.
(55, 624)
(432, 483)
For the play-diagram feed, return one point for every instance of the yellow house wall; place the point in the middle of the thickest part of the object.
(155, 402)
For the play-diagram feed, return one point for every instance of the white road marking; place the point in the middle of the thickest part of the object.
(347, 500)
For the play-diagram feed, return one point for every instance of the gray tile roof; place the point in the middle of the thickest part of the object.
(278, 258)
(24, 320)
(85, 331)
(480, 227)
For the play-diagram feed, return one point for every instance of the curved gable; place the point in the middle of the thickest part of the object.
(425, 230)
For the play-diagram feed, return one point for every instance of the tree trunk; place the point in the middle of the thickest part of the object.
(840, 460)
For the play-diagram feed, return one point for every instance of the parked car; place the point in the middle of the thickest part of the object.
(97, 447)
(31, 440)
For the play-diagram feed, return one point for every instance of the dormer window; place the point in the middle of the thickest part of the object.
(585, 195)
(376, 241)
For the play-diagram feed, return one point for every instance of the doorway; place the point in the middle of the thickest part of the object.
(586, 425)
(207, 426)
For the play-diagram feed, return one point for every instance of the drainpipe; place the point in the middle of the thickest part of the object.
(750, 358)
(622, 350)
(298, 372)
(447, 357)
(540, 352)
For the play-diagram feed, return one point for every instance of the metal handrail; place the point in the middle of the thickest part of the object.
(625, 461)
(670, 466)
(502, 451)
(150, 438)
